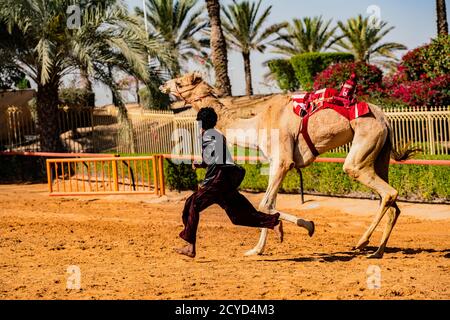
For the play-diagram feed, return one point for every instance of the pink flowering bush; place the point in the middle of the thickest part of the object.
(369, 77)
(411, 67)
(423, 92)
(423, 76)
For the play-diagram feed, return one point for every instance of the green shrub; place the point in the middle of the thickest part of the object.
(413, 182)
(76, 97)
(10, 75)
(284, 73)
(23, 84)
(22, 169)
(180, 177)
(308, 65)
(426, 62)
(437, 57)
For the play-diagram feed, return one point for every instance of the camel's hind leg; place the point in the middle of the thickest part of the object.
(393, 214)
(388, 196)
(382, 169)
(369, 147)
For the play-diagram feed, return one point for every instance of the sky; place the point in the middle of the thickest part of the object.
(414, 22)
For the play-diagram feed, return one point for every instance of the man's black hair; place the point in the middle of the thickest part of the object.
(208, 117)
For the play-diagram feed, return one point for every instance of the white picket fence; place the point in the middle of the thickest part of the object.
(427, 128)
(162, 131)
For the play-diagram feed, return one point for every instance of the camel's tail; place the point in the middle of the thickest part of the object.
(401, 153)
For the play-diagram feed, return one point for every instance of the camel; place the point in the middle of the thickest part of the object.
(367, 161)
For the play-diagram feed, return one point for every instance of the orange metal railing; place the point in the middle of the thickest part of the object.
(118, 175)
(135, 175)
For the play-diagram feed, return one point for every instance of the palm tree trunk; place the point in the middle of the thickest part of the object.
(88, 86)
(442, 23)
(125, 133)
(47, 116)
(138, 98)
(248, 73)
(219, 55)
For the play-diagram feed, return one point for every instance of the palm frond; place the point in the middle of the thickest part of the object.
(306, 35)
(364, 41)
(45, 52)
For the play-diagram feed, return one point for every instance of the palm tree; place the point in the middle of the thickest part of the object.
(46, 50)
(306, 35)
(243, 29)
(361, 38)
(219, 55)
(442, 23)
(179, 25)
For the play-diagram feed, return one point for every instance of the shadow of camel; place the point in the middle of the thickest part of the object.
(322, 257)
(409, 251)
(350, 255)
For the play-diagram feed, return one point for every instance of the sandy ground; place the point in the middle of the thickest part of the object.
(123, 247)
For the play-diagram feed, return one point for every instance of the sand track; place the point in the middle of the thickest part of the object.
(123, 246)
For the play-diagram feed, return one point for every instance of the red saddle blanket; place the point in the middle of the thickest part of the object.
(306, 104)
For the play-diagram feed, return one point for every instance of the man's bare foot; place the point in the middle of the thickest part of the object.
(279, 231)
(188, 250)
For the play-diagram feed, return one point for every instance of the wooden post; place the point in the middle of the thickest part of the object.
(155, 174)
(431, 135)
(162, 188)
(115, 175)
(49, 177)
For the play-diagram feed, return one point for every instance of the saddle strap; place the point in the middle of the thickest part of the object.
(304, 132)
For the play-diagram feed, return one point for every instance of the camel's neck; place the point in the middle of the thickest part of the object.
(241, 132)
(226, 118)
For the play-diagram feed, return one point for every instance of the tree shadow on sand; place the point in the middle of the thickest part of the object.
(350, 255)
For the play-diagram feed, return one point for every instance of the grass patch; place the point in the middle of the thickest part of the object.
(414, 182)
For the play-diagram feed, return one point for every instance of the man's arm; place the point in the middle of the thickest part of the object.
(196, 165)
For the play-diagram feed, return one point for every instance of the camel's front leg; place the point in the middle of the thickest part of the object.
(277, 173)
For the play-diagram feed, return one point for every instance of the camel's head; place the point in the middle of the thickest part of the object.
(186, 87)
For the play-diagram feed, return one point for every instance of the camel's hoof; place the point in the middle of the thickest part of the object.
(376, 255)
(252, 252)
(361, 246)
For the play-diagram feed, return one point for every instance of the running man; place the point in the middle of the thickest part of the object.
(220, 185)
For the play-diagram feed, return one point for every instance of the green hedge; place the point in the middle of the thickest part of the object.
(180, 176)
(76, 97)
(413, 182)
(307, 65)
(17, 169)
(284, 73)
